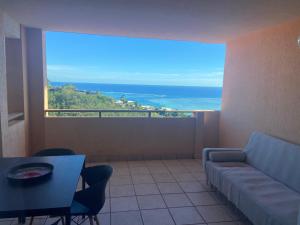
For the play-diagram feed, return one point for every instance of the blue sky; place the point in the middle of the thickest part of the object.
(120, 60)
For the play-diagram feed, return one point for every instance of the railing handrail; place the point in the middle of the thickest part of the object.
(100, 111)
(124, 110)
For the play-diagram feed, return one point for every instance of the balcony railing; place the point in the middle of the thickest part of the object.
(117, 113)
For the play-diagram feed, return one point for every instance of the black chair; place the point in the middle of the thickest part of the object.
(55, 152)
(96, 174)
(90, 201)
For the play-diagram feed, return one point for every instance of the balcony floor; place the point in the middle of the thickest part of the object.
(160, 192)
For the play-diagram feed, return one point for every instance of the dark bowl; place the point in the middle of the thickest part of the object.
(29, 173)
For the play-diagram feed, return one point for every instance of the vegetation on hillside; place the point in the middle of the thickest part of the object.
(68, 97)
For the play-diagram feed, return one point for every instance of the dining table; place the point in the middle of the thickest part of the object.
(52, 196)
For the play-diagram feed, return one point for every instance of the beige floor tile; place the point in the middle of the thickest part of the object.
(216, 213)
(121, 172)
(199, 176)
(157, 217)
(177, 200)
(224, 223)
(184, 177)
(169, 188)
(192, 186)
(107, 194)
(158, 170)
(124, 204)
(219, 197)
(234, 213)
(187, 162)
(139, 163)
(6, 222)
(120, 180)
(138, 178)
(151, 202)
(194, 168)
(166, 177)
(119, 164)
(171, 162)
(146, 189)
(104, 219)
(51, 220)
(186, 215)
(106, 207)
(36, 221)
(243, 223)
(177, 169)
(202, 198)
(122, 190)
(126, 218)
(142, 179)
(206, 186)
(154, 163)
(139, 170)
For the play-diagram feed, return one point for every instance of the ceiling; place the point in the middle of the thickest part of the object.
(197, 20)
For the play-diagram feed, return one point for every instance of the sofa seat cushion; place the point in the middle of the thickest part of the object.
(262, 199)
(216, 170)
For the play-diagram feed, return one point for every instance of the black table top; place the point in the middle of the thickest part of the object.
(52, 196)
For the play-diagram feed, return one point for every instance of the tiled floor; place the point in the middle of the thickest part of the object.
(161, 192)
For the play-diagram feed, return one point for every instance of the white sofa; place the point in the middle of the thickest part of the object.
(262, 180)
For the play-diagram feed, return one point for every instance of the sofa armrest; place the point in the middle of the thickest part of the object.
(207, 151)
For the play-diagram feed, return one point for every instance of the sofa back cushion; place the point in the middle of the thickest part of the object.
(276, 158)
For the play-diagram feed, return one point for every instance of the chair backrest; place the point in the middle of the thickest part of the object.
(276, 158)
(55, 152)
(94, 196)
(96, 174)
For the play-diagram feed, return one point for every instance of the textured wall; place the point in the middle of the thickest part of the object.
(16, 140)
(133, 138)
(36, 86)
(3, 105)
(123, 138)
(14, 75)
(12, 136)
(261, 86)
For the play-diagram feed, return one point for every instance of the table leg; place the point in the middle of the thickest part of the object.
(83, 181)
(82, 177)
(68, 220)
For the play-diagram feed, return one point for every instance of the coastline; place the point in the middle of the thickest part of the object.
(157, 96)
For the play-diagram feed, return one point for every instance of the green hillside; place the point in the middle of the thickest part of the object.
(67, 97)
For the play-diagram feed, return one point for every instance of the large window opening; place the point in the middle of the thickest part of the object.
(120, 76)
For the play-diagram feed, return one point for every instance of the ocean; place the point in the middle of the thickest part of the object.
(174, 97)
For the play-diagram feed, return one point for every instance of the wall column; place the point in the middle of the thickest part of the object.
(3, 92)
(37, 87)
(199, 134)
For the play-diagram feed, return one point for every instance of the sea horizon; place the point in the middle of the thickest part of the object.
(162, 96)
